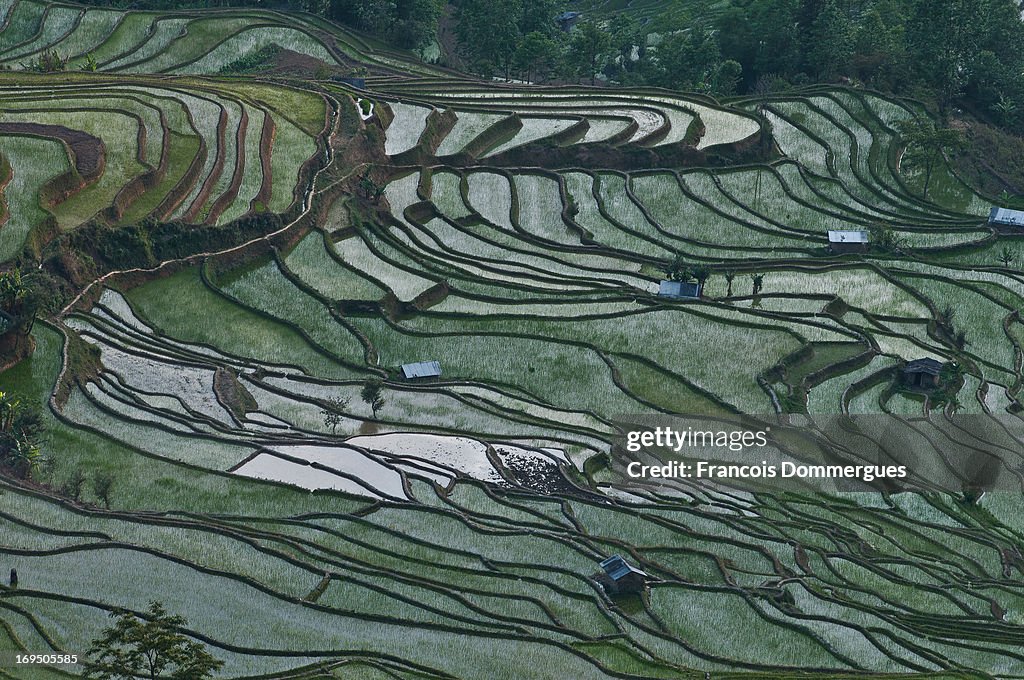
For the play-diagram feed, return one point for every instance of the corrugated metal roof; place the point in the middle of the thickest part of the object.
(421, 369)
(1014, 218)
(929, 365)
(839, 236)
(616, 568)
(678, 289)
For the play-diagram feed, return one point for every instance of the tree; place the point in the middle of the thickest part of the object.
(488, 33)
(588, 48)
(943, 36)
(678, 269)
(762, 36)
(536, 55)
(689, 60)
(102, 485)
(727, 78)
(150, 648)
(756, 282)
(1006, 257)
(333, 413)
(371, 189)
(945, 319)
(410, 24)
(1005, 109)
(21, 428)
(702, 274)
(372, 395)
(538, 16)
(12, 289)
(414, 24)
(926, 145)
(883, 238)
(51, 62)
(730, 276)
(72, 486)
(829, 43)
(879, 50)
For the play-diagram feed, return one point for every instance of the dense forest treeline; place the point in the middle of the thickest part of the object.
(946, 52)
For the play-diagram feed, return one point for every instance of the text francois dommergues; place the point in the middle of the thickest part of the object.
(670, 439)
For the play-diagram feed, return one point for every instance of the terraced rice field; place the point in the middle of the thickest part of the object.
(126, 150)
(187, 42)
(455, 530)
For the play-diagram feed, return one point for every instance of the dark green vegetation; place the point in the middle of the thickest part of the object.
(223, 423)
(150, 648)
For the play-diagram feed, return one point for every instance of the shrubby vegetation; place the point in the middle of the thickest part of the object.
(21, 429)
(150, 648)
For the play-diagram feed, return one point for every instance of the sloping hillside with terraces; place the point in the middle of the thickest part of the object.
(247, 261)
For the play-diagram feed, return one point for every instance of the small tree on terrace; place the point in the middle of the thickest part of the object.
(102, 486)
(333, 413)
(372, 395)
(756, 282)
(702, 274)
(730, 276)
(679, 270)
(151, 648)
(884, 239)
(1006, 257)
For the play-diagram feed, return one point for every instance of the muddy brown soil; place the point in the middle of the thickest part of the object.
(87, 150)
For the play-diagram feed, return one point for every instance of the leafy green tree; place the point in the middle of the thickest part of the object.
(884, 238)
(589, 48)
(51, 62)
(926, 145)
(536, 55)
(333, 413)
(730, 276)
(12, 289)
(414, 24)
(538, 16)
(702, 274)
(372, 395)
(943, 35)
(1005, 109)
(879, 48)
(679, 270)
(830, 41)
(689, 60)
(761, 35)
(21, 428)
(72, 486)
(151, 648)
(1006, 257)
(628, 36)
(103, 486)
(727, 78)
(756, 283)
(489, 34)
